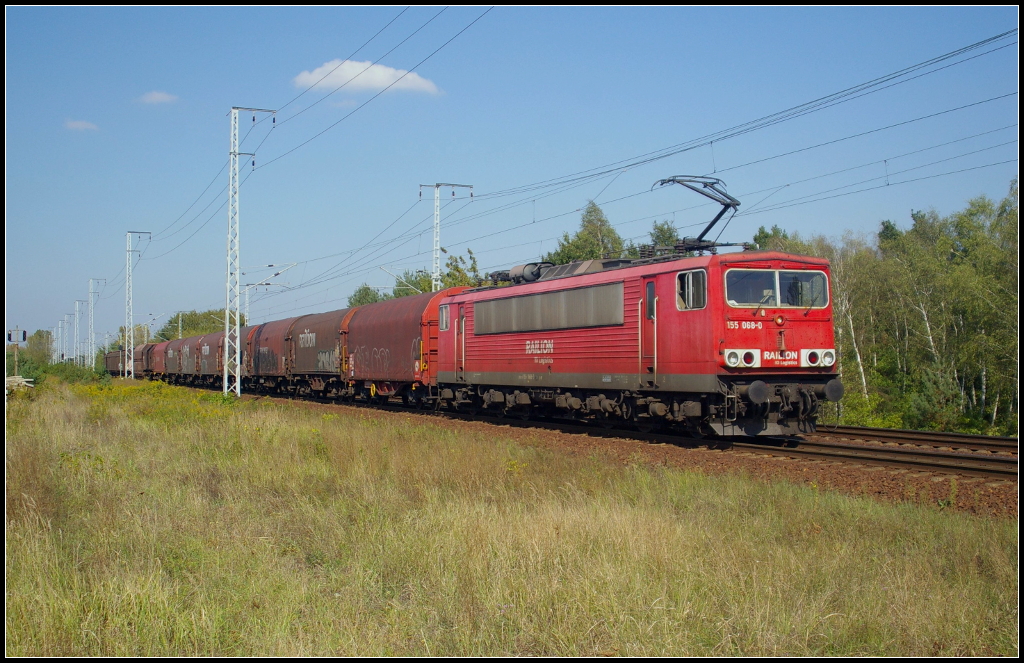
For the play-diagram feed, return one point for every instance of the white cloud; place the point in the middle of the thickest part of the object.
(156, 97)
(80, 125)
(364, 76)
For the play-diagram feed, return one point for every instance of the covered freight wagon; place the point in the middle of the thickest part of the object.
(268, 351)
(393, 344)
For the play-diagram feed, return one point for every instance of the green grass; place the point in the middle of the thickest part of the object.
(151, 520)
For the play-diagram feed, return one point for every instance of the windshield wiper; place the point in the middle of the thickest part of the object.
(814, 298)
(761, 303)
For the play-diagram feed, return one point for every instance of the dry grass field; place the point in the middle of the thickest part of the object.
(150, 520)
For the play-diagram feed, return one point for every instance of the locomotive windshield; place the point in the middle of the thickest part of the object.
(803, 289)
(776, 288)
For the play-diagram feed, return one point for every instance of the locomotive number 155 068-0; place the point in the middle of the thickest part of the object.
(745, 324)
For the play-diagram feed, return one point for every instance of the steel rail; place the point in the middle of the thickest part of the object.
(1005, 467)
(924, 438)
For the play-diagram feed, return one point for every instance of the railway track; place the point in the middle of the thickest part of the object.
(921, 438)
(929, 460)
(914, 450)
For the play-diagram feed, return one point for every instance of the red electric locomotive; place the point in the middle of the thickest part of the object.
(733, 344)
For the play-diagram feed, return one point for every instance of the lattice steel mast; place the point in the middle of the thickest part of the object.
(232, 380)
(129, 318)
(79, 360)
(92, 330)
(435, 276)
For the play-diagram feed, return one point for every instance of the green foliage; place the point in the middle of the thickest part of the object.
(926, 318)
(412, 282)
(39, 347)
(193, 323)
(888, 233)
(664, 237)
(775, 239)
(30, 367)
(458, 271)
(855, 410)
(364, 294)
(596, 238)
(663, 233)
(461, 271)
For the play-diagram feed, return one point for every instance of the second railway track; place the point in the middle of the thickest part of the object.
(920, 438)
(974, 465)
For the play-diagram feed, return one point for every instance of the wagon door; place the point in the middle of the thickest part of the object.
(460, 346)
(648, 335)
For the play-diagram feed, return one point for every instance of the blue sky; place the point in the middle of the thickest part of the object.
(117, 119)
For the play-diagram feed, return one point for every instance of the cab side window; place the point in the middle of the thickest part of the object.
(443, 318)
(691, 290)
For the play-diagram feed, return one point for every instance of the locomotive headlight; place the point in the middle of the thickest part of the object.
(818, 357)
(742, 358)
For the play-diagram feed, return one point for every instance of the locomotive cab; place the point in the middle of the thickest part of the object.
(775, 343)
